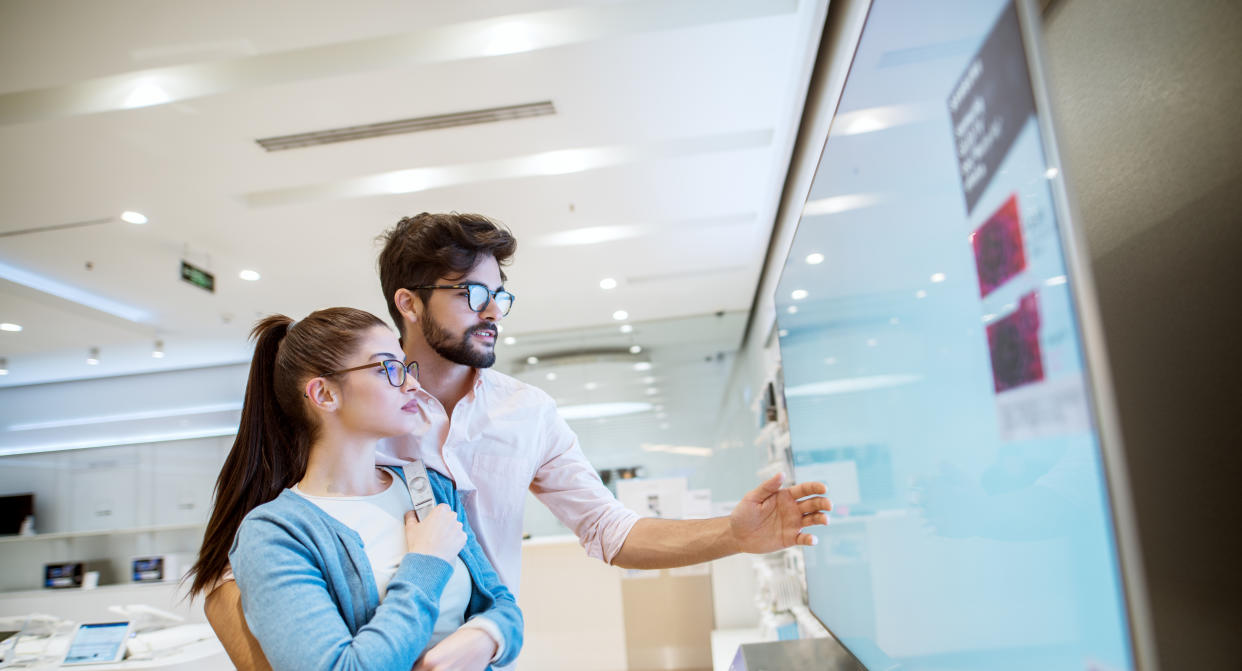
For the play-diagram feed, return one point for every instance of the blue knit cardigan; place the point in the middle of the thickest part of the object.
(310, 599)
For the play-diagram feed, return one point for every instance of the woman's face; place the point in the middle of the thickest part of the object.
(369, 404)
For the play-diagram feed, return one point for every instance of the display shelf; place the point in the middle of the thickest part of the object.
(69, 535)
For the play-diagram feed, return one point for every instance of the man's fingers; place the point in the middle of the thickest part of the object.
(814, 505)
(815, 519)
(769, 487)
(804, 489)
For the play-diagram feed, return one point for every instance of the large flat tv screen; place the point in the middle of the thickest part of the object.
(941, 367)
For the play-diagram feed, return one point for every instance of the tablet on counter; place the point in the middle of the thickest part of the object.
(97, 643)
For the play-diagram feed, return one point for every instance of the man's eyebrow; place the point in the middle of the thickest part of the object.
(385, 355)
(483, 284)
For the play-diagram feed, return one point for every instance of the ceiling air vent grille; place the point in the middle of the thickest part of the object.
(350, 133)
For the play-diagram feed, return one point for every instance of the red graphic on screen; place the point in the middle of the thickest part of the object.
(999, 254)
(1014, 344)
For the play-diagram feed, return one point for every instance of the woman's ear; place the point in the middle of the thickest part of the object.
(321, 394)
(408, 305)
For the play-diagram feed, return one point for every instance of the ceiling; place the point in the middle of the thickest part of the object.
(661, 168)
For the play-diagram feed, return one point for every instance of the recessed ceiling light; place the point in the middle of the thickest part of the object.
(872, 342)
(550, 376)
(894, 321)
(591, 386)
(134, 217)
(249, 275)
(938, 277)
(510, 340)
(14, 328)
(532, 360)
(607, 283)
(920, 294)
(92, 356)
(1051, 173)
(652, 391)
(815, 258)
(649, 380)
(635, 349)
(830, 360)
(620, 315)
(792, 309)
(642, 366)
(782, 333)
(626, 328)
(798, 294)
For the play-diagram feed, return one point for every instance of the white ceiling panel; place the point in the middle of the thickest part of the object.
(671, 138)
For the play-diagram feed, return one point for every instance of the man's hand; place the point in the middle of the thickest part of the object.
(467, 649)
(769, 518)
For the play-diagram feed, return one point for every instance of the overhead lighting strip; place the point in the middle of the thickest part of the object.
(209, 432)
(127, 417)
(73, 294)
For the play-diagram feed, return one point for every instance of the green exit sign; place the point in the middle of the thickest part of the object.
(198, 277)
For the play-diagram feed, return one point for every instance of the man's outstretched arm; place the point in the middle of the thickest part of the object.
(767, 519)
(224, 612)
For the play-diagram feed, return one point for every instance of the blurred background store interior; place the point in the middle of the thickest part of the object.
(642, 153)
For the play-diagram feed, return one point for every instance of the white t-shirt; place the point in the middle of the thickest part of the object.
(379, 520)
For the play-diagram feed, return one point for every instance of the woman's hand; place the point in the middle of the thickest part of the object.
(467, 649)
(439, 535)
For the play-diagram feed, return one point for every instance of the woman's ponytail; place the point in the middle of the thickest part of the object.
(267, 455)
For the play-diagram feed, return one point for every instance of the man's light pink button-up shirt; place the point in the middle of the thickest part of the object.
(506, 437)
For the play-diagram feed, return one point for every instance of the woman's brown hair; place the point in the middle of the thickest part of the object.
(270, 451)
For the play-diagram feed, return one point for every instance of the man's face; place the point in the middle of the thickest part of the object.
(456, 332)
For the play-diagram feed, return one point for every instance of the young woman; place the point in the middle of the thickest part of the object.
(335, 570)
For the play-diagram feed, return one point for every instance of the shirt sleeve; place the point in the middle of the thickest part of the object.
(488, 627)
(570, 487)
(297, 621)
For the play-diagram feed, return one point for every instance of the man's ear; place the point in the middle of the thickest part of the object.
(408, 305)
(321, 394)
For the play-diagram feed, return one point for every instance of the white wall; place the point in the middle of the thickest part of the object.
(151, 496)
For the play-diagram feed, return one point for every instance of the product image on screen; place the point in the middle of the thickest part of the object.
(148, 569)
(936, 377)
(998, 248)
(1013, 342)
(98, 643)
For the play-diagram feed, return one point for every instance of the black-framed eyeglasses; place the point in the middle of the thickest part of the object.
(395, 370)
(478, 295)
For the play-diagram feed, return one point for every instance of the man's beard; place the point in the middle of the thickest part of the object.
(457, 350)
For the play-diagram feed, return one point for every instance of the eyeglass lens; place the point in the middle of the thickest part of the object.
(480, 294)
(397, 371)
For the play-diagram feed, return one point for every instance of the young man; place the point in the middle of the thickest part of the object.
(498, 437)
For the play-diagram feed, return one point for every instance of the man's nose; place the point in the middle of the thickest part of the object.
(491, 312)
